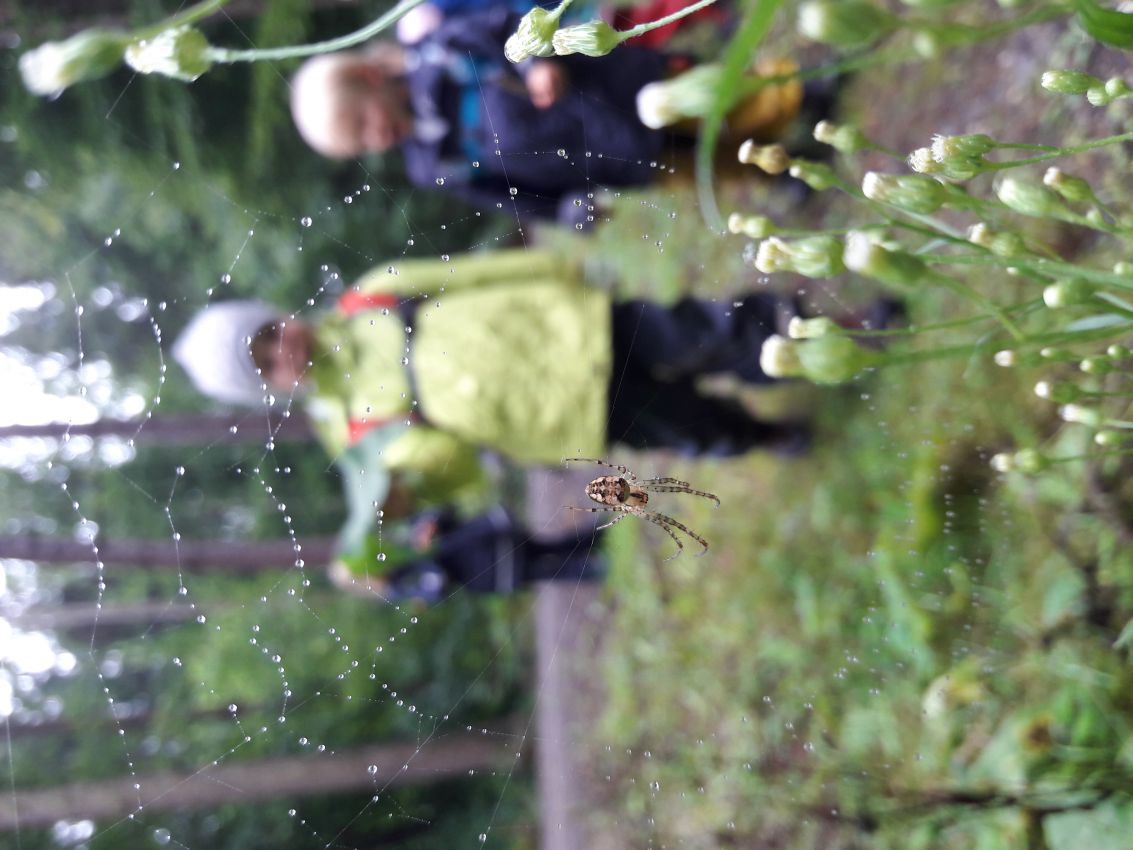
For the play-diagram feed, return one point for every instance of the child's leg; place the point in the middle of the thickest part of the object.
(697, 337)
(652, 414)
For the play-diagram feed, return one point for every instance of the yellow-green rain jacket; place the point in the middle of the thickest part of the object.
(508, 350)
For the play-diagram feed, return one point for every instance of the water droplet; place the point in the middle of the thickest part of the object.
(440, 181)
(306, 221)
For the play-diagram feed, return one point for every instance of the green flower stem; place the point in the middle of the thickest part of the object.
(181, 19)
(224, 56)
(557, 12)
(1023, 308)
(1058, 268)
(978, 298)
(1074, 337)
(1088, 457)
(1055, 152)
(908, 358)
(640, 29)
(956, 35)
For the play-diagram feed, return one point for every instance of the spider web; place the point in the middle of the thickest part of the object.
(655, 708)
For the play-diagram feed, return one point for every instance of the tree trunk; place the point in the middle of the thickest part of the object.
(288, 778)
(183, 555)
(88, 614)
(177, 428)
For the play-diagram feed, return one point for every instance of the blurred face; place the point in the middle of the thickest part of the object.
(375, 116)
(282, 353)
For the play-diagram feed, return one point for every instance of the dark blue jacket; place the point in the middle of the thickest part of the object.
(495, 140)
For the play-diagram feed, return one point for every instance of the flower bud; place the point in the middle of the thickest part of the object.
(841, 137)
(1006, 358)
(1116, 87)
(53, 66)
(1030, 461)
(844, 23)
(1064, 293)
(1073, 189)
(1083, 415)
(1058, 393)
(1030, 198)
(779, 357)
(533, 36)
(833, 359)
(814, 256)
(1069, 82)
(1096, 365)
(1122, 267)
(1098, 96)
(687, 95)
(1110, 438)
(976, 145)
(923, 162)
(751, 226)
(773, 159)
(1003, 462)
(927, 44)
(897, 268)
(816, 175)
(819, 326)
(980, 234)
(1118, 351)
(594, 38)
(181, 53)
(912, 192)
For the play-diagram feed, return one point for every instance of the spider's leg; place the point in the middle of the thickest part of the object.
(660, 485)
(618, 509)
(668, 523)
(622, 469)
(614, 521)
(645, 482)
(658, 520)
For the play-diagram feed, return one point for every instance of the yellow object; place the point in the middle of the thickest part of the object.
(766, 114)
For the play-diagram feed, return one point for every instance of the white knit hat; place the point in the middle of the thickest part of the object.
(318, 98)
(215, 349)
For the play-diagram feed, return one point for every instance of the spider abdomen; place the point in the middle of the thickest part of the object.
(612, 490)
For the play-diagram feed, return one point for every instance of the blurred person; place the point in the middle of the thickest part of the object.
(531, 138)
(430, 554)
(417, 369)
(534, 139)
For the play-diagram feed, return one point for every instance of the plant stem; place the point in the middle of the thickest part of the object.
(224, 56)
(668, 19)
(1054, 153)
(180, 19)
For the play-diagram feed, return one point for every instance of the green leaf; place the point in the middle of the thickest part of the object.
(1126, 637)
(1102, 320)
(757, 18)
(1106, 25)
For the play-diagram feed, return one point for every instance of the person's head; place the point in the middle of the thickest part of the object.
(281, 351)
(348, 104)
(418, 22)
(220, 346)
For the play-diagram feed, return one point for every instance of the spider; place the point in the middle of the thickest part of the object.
(625, 494)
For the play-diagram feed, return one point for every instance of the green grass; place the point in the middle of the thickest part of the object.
(886, 645)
